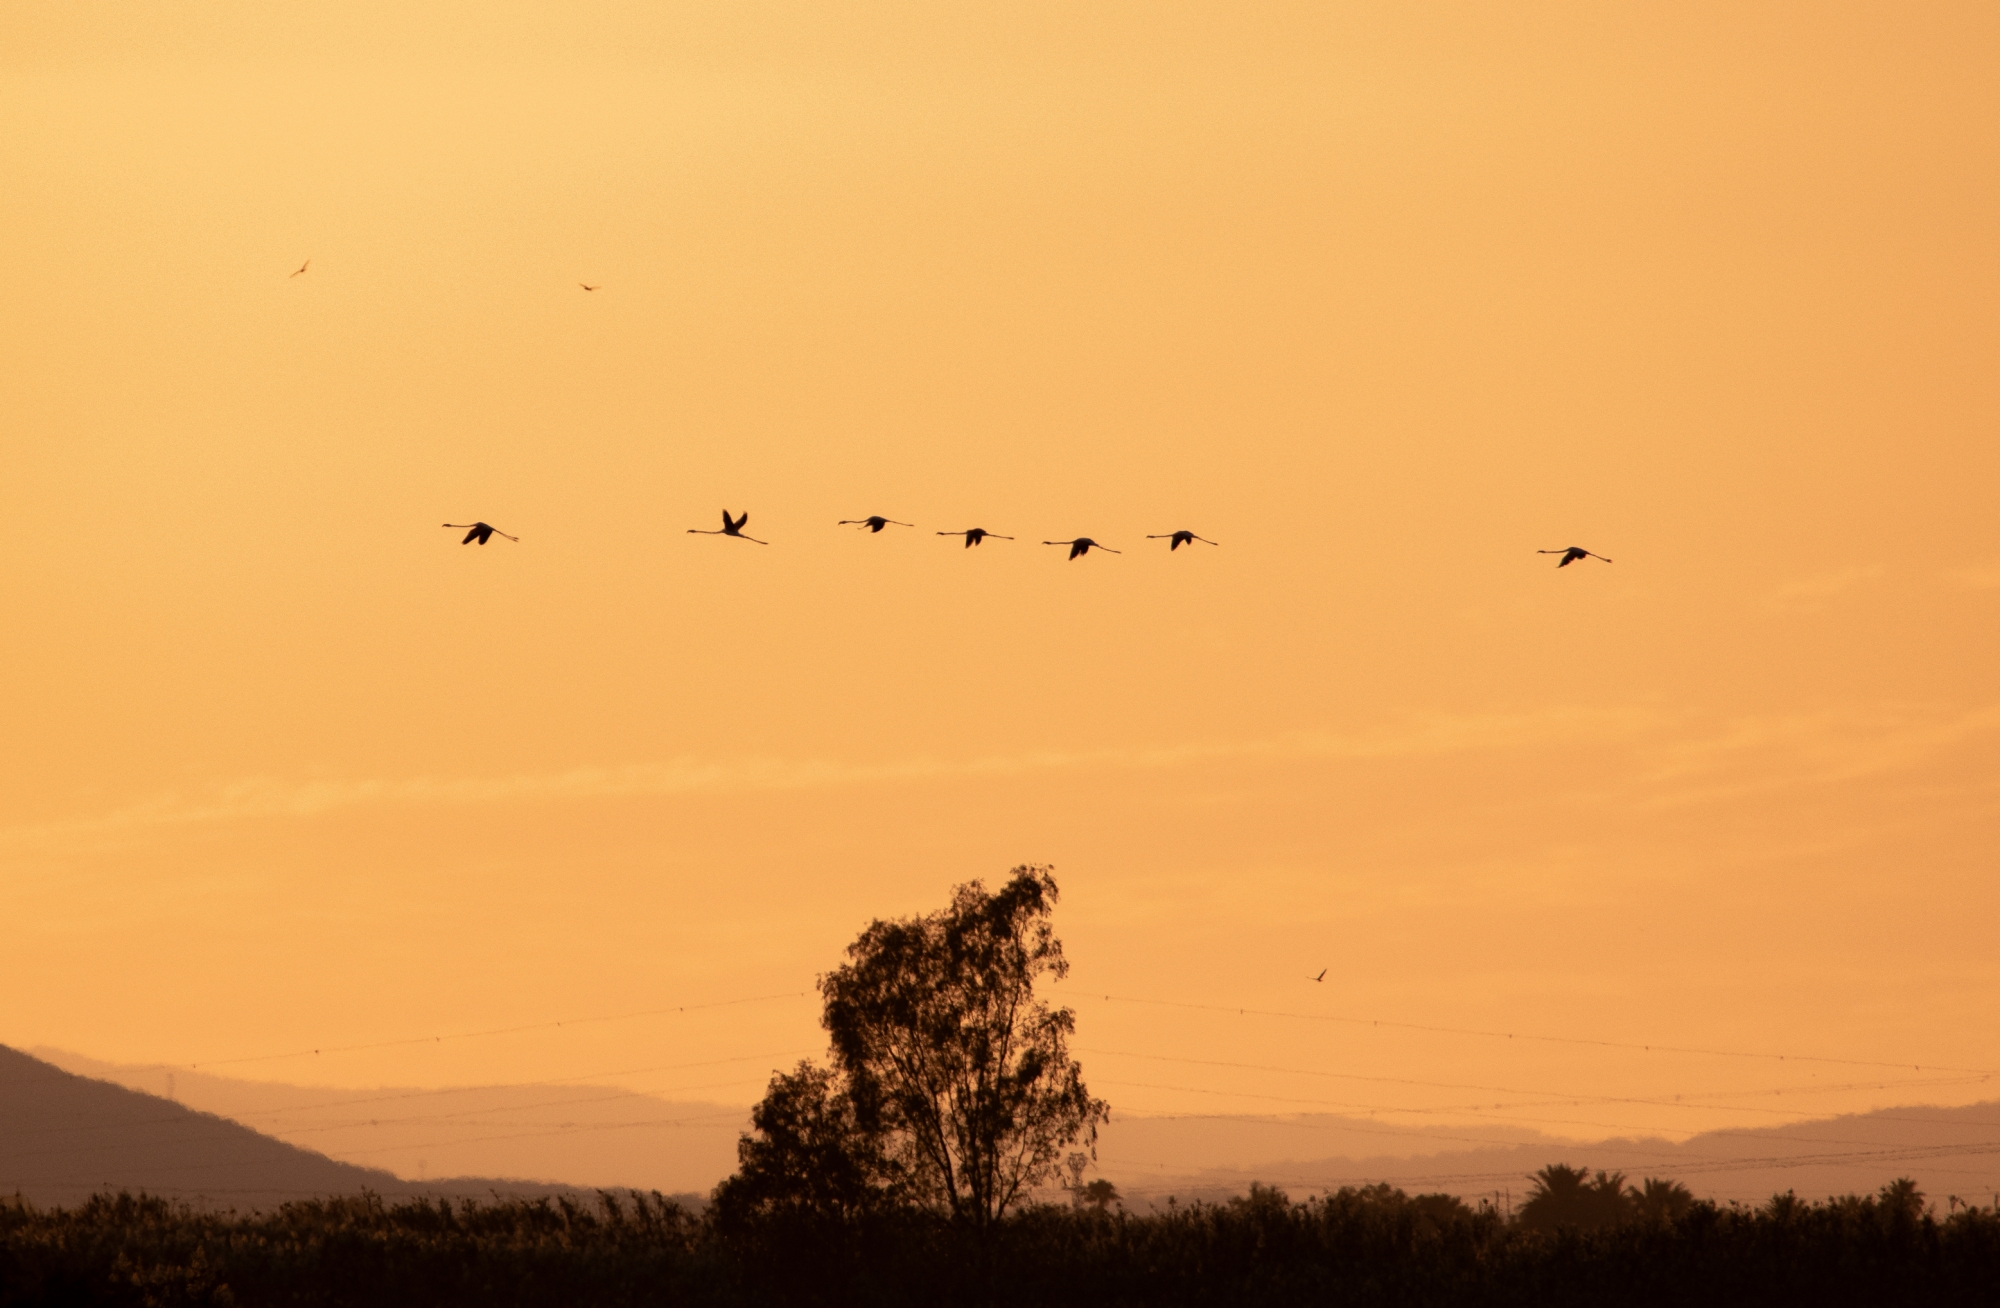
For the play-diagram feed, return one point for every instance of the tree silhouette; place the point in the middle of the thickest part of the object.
(809, 1154)
(1099, 1194)
(1661, 1202)
(951, 1086)
(1565, 1196)
(1901, 1202)
(951, 1060)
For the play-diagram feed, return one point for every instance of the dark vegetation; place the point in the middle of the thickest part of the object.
(1374, 1246)
(918, 1168)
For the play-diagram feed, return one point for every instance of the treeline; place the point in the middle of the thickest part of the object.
(1373, 1246)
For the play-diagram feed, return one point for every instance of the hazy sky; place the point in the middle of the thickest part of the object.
(1382, 297)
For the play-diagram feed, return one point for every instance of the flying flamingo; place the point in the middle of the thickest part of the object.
(1181, 538)
(480, 532)
(1322, 974)
(1571, 555)
(974, 536)
(588, 287)
(1081, 546)
(874, 522)
(730, 527)
(302, 267)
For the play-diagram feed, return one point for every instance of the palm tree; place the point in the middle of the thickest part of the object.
(1565, 1196)
(1661, 1202)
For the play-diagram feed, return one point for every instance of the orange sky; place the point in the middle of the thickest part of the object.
(1382, 297)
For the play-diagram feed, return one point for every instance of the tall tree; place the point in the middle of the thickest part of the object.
(950, 1057)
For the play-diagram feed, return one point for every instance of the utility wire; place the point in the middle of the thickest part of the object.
(1557, 1099)
(1545, 1039)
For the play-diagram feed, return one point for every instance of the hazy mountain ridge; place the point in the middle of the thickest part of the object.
(65, 1137)
(1949, 1151)
(571, 1134)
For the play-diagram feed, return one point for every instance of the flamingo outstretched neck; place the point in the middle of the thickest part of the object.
(480, 532)
(874, 522)
(1572, 554)
(973, 535)
(1081, 546)
(1181, 538)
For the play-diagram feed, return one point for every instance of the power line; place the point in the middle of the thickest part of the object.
(532, 1135)
(559, 1080)
(1556, 1098)
(68, 1151)
(497, 1108)
(496, 1031)
(188, 1116)
(1382, 1108)
(436, 1039)
(1545, 1039)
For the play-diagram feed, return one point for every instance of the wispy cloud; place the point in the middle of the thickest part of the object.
(1675, 760)
(254, 798)
(1764, 753)
(1810, 594)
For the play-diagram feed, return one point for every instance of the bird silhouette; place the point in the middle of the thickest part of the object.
(974, 535)
(588, 287)
(1571, 555)
(1181, 538)
(874, 522)
(480, 532)
(1322, 974)
(1081, 546)
(302, 267)
(730, 527)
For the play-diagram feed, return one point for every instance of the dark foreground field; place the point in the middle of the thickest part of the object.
(1353, 1248)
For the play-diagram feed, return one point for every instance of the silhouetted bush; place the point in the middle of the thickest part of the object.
(1371, 1246)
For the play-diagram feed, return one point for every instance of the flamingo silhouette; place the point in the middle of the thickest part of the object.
(302, 267)
(874, 522)
(480, 532)
(1181, 538)
(974, 535)
(1322, 974)
(588, 287)
(730, 527)
(1572, 554)
(1081, 546)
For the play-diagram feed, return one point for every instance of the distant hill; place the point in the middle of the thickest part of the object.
(563, 1133)
(64, 1138)
(1949, 1151)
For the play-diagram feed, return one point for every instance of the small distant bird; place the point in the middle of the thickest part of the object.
(1181, 538)
(1081, 546)
(479, 531)
(730, 527)
(875, 523)
(974, 535)
(1571, 555)
(588, 287)
(1322, 974)
(302, 267)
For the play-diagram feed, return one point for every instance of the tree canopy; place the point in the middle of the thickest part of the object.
(951, 1084)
